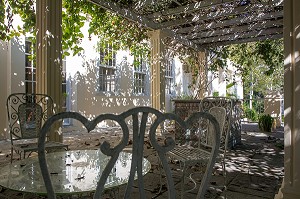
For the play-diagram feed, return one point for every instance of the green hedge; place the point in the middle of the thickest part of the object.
(251, 114)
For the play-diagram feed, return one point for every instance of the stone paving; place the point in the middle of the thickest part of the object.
(254, 168)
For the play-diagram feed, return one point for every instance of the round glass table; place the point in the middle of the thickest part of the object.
(72, 172)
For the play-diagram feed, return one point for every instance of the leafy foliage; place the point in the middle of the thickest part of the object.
(250, 114)
(265, 122)
(102, 23)
(259, 63)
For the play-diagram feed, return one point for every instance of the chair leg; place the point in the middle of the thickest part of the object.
(160, 178)
(11, 154)
(183, 180)
(225, 178)
(160, 175)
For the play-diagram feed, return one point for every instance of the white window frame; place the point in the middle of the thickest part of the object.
(139, 76)
(66, 91)
(169, 76)
(107, 74)
(30, 68)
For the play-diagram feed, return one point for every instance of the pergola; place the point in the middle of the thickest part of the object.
(204, 23)
(198, 24)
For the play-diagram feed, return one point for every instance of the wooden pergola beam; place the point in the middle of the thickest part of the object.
(113, 7)
(239, 29)
(252, 34)
(245, 40)
(180, 39)
(230, 22)
(188, 8)
(128, 14)
(215, 15)
(200, 5)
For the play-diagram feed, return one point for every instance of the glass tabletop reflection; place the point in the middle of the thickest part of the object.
(71, 172)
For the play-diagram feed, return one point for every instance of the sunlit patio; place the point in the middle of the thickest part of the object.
(257, 165)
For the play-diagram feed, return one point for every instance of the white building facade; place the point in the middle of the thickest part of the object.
(92, 82)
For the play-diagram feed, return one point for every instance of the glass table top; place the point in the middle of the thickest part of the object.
(71, 172)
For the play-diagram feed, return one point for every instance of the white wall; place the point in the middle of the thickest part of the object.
(4, 50)
(17, 59)
(219, 83)
(83, 93)
(12, 75)
(178, 81)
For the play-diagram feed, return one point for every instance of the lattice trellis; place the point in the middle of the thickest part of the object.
(204, 23)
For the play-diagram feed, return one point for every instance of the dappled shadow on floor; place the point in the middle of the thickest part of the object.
(254, 168)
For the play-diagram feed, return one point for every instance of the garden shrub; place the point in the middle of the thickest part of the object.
(265, 122)
(251, 114)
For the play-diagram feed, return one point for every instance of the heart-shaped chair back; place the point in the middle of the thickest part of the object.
(136, 122)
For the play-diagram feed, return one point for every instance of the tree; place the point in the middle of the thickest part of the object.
(260, 64)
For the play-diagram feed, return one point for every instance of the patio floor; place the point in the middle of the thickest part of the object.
(254, 168)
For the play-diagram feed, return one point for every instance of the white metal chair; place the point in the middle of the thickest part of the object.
(26, 114)
(206, 104)
(140, 116)
(194, 148)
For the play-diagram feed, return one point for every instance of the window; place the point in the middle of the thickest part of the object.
(30, 73)
(64, 86)
(30, 69)
(107, 79)
(107, 69)
(65, 93)
(169, 76)
(139, 81)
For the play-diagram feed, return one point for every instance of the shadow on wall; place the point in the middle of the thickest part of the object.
(85, 95)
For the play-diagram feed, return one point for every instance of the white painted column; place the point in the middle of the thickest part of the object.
(158, 60)
(291, 185)
(49, 52)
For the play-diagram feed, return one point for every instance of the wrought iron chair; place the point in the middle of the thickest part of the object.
(194, 146)
(26, 114)
(206, 104)
(140, 117)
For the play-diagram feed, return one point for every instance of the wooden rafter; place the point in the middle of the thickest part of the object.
(214, 15)
(244, 40)
(181, 39)
(126, 13)
(192, 7)
(231, 22)
(203, 23)
(244, 35)
(237, 29)
(189, 8)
